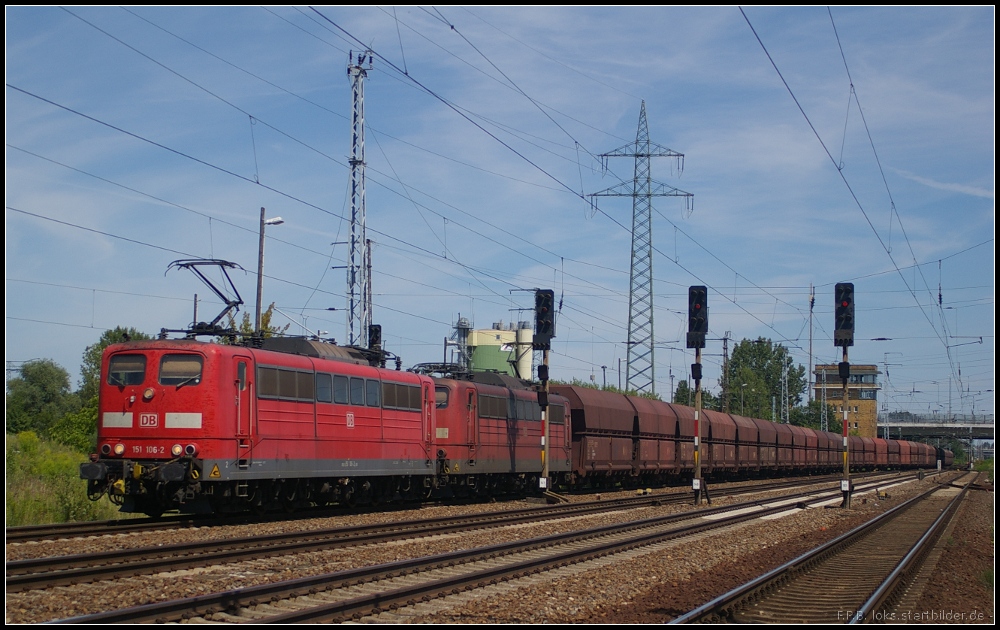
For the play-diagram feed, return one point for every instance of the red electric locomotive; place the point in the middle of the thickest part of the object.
(206, 426)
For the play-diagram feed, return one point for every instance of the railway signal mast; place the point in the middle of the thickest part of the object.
(697, 331)
(545, 330)
(843, 335)
(639, 375)
(359, 315)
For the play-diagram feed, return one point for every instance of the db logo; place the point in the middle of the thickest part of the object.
(350, 421)
(147, 420)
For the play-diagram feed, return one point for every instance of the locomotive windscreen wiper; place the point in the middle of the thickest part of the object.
(195, 378)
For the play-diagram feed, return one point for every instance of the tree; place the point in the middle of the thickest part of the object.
(684, 395)
(90, 369)
(245, 328)
(78, 429)
(755, 374)
(39, 397)
(811, 416)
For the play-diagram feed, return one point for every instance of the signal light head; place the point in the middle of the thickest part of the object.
(843, 333)
(545, 319)
(697, 316)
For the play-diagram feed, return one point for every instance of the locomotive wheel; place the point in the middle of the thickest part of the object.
(289, 495)
(255, 500)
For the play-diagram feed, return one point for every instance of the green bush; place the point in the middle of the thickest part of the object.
(984, 465)
(44, 485)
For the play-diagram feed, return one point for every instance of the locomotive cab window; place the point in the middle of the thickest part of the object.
(180, 369)
(127, 369)
(441, 397)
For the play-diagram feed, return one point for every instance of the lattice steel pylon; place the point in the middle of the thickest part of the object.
(640, 368)
(359, 316)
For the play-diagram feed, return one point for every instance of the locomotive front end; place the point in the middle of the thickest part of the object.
(155, 425)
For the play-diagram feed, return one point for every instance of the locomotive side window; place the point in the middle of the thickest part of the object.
(324, 388)
(415, 399)
(267, 382)
(127, 369)
(534, 410)
(372, 392)
(492, 406)
(389, 396)
(400, 396)
(441, 397)
(340, 390)
(286, 384)
(357, 391)
(241, 375)
(180, 369)
(557, 414)
(305, 382)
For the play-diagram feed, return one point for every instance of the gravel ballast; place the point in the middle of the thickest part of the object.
(648, 586)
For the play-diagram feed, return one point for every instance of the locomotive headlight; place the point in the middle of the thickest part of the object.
(119, 449)
(176, 450)
(191, 450)
(148, 394)
(105, 449)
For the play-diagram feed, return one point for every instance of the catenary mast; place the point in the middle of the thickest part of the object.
(359, 316)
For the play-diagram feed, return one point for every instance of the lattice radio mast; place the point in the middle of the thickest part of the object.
(359, 315)
(639, 370)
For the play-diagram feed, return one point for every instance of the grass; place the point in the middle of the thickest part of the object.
(986, 578)
(984, 465)
(44, 485)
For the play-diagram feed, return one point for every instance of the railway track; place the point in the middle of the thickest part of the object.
(39, 533)
(355, 593)
(47, 572)
(855, 578)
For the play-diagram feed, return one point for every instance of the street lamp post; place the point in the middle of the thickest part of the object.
(260, 266)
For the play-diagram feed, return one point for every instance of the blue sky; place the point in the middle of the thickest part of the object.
(136, 137)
